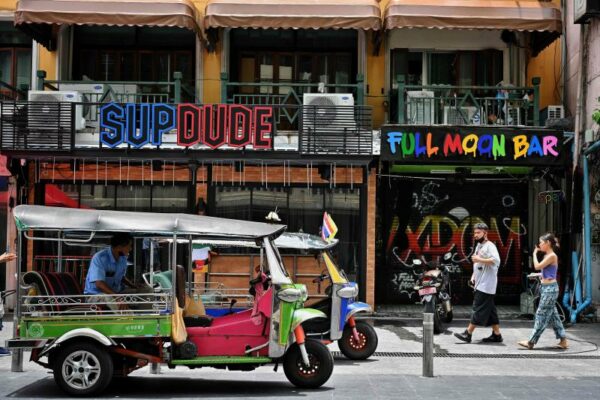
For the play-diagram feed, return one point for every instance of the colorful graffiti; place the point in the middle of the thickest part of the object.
(429, 219)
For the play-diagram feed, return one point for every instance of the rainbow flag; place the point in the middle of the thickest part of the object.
(329, 229)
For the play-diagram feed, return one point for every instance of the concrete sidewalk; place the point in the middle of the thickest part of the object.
(459, 311)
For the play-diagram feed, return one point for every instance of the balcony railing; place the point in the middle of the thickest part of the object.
(465, 105)
(175, 91)
(288, 95)
(45, 126)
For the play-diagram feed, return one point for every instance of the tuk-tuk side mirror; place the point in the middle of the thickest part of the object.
(447, 256)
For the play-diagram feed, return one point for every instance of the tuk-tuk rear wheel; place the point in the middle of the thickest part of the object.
(366, 345)
(313, 375)
(82, 369)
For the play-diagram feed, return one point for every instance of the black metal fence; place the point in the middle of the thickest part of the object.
(336, 130)
(56, 126)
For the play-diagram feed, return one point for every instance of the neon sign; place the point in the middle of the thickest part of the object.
(480, 144)
(232, 125)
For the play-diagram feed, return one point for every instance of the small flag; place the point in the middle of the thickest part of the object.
(329, 229)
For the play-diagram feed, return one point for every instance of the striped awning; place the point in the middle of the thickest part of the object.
(294, 14)
(38, 17)
(473, 14)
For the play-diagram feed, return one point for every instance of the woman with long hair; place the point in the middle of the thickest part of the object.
(546, 312)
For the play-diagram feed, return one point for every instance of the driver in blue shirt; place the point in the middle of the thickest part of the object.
(106, 274)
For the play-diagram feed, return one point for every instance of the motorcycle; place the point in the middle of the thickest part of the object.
(433, 286)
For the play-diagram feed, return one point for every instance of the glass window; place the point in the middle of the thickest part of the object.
(442, 69)
(108, 66)
(306, 209)
(409, 65)
(98, 197)
(6, 65)
(344, 207)
(233, 202)
(23, 69)
(267, 200)
(133, 198)
(169, 198)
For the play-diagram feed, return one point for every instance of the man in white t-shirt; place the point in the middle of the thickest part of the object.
(486, 262)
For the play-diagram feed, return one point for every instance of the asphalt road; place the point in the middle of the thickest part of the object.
(462, 371)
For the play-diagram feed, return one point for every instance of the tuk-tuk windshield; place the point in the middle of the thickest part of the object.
(279, 274)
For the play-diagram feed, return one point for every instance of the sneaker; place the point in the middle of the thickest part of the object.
(493, 338)
(526, 343)
(4, 352)
(465, 336)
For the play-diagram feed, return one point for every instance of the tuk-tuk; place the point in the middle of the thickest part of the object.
(357, 339)
(85, 340)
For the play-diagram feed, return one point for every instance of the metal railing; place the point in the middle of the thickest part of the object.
(175, 91)
(96, 305)
(76, 265)
(465, 105)
(336, 130)
(67, 126)
(289, 95)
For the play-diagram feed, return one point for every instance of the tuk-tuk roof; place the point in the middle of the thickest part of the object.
(74, 219)
(287, 240)
(303, 241)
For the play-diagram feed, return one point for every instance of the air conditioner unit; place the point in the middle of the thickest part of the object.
(556, 112)
(328, 110)
(324, 115)
(90, 93)
(420, 107)
(51, 110)
(459, 115)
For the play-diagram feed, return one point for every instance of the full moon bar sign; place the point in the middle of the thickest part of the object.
(471, 144)
(216, 125)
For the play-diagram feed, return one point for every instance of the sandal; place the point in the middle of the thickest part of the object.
(526, 343)
(563, 344)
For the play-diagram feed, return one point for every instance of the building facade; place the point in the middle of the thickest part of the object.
(170, 104)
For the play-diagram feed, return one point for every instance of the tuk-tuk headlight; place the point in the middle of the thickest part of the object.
(290, 295)
(304, 292)
(348, 292)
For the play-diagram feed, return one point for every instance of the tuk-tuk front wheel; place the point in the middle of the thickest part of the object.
(308, 376)
(364, 347)
(82, 369)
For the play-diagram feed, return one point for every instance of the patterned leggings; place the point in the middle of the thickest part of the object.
(547, 313)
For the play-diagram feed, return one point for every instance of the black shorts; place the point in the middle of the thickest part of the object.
(484, 310)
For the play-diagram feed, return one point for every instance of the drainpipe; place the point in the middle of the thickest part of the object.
(587, 245)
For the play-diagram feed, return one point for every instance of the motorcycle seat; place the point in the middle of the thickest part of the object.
(433, 272)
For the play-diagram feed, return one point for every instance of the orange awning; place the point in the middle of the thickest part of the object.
(542, 18)
(473, 14)
(36, 17)
(294, 14)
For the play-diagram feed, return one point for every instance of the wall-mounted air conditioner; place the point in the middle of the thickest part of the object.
(328, 110)
(556, 112)
(459, 115)
(420, 107)
(50, 110)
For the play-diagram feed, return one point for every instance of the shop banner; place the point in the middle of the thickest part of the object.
(425, 219)
(472, 145)
(214, 126)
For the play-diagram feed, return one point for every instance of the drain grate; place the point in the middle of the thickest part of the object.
(397, 354)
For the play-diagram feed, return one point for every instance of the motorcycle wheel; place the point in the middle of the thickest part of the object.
(314, 375)
(362, 350)
(448, 317)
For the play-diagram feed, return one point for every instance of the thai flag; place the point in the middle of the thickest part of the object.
(329, 229)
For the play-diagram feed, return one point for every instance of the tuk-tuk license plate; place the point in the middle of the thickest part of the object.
(427, 290)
